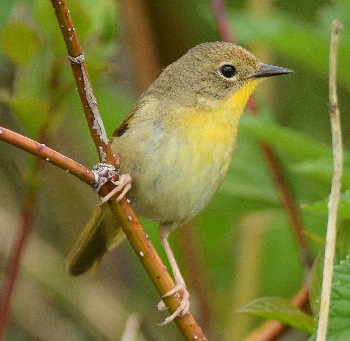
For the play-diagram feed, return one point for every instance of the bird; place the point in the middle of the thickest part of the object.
(177, 143)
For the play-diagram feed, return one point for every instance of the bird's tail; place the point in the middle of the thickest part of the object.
(100, 234)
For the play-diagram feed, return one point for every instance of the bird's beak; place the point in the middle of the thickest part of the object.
(269, 70)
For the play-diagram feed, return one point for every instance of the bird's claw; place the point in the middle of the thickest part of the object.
(123, 185)
(183, 307)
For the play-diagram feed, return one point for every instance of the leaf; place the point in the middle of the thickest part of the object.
(19, 42)
(31, 112)
(342, 250)
(294, 144)
(104, 19)
(339, 313)
(282, 310)
(81, 18)
(323, 170)
(321, 206)
(248, 178)
(283, 32)
(314, 237)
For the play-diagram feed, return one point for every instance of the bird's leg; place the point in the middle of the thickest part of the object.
(180, 286)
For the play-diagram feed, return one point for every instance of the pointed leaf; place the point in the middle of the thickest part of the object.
(339, 321)
(296, 145)
(282, 310)
(322, 205)
(323, 170)
(19, 42)
(31, 112)
(342, 250)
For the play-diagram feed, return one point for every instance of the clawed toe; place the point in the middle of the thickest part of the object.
(183, 307)
(123, 185)
(161, 306)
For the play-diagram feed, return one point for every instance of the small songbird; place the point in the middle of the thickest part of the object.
(177, 143)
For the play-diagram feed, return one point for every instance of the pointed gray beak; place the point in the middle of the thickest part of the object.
(270, 70)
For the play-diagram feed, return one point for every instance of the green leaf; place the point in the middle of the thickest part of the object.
(45, 18)
(339, 313)
(81, 18)
(316, 282)
(342, 250)
(104, 19)
(315, 238)
(19, 42)
(282, 310)
(296, 145)
(248, 182)
(321, 206)
(323, 170)
(31, 112)
(283, 32)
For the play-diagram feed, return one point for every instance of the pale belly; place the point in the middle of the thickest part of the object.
(173, 180)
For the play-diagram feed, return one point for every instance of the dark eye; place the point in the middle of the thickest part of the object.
(228, 71)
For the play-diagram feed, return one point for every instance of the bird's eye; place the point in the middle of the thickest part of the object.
(228, 71)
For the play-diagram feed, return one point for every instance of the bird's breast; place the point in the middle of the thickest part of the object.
(176, 171)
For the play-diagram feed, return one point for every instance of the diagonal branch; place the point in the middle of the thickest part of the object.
(130, 223)
(42, 151)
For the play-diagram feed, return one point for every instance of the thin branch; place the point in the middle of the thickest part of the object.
(336, 186)
(42, 151)
(23, 231)
(130, 223)
(288, 202)
(83, 83)
(269, 154)
(222, 21)
(199, 282)
(142, 41)
(131, 226)
(17, 250)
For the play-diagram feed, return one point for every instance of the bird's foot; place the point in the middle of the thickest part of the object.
(123, 185)
(184, 306)
(104, 173)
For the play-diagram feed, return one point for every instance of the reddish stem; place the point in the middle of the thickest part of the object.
(222, 21)
(198, 276)
(16, 255)
(270, 156)
(288, 203)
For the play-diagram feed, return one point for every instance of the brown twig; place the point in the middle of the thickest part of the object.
(42, 151)
(82, 80)
(141, 38)
(336, 185)
(199, 281)
(269, 154)
(17, 250)
(130, 224)
(31, 184)
(288, 202)
(22, 236)
(224, 27)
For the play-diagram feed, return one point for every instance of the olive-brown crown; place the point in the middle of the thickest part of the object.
(207, 71)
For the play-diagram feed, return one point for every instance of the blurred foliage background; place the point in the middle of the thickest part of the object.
(241, 247)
